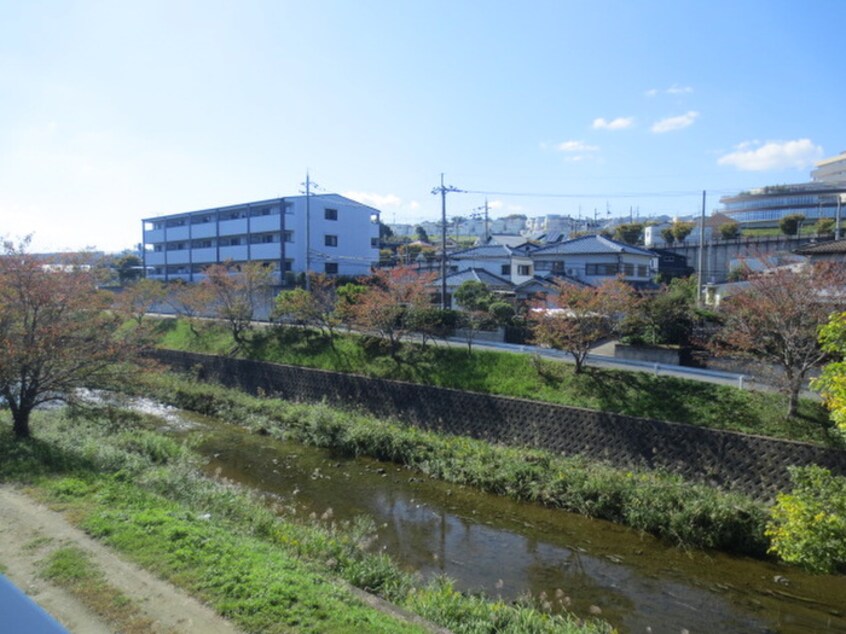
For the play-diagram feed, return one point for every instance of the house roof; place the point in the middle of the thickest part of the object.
(484, 251)
(591, 244)
(507, 240)
(823, 248)
(493, 282)
(547, 282)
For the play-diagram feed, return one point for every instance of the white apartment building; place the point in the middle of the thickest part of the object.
(342, 237)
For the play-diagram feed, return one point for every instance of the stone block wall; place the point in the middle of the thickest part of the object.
(750, 464)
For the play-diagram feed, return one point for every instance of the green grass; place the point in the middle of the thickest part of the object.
(141, 493)
(523, 376)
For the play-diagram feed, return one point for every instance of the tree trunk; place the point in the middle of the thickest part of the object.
(793, 402)
(20, 423)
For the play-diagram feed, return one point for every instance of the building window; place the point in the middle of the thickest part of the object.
(201, 244)
(330, 214)
(263, 238)
(374, 243)
(524, 269)
(628, 268)
(289, 236)
(289, 207)
(157, 248)
(505, 269)
(231, 242)
(289, 264)
(601, 269)
(558, 267)
(330, 240)
(331, 268)
(642, 270)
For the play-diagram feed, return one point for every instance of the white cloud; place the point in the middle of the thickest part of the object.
(413, 205)
(675, 89)
(377, 200)
(620, 123)
(576, 146)
(495, 204)
(679, 90)
(675, 123)
(773, 155)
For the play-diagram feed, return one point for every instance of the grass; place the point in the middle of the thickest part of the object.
(523, 376)
(71, 568)
(142, 493)
(655, 502)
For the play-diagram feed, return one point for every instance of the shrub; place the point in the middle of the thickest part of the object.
(808, 525)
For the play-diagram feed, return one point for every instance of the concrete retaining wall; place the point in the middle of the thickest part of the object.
(754, 465)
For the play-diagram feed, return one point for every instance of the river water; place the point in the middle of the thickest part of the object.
(506, 548)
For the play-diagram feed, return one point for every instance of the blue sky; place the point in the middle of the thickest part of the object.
(114, 111)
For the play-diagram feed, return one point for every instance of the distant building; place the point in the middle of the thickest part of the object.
(766, 206)
(343, 238)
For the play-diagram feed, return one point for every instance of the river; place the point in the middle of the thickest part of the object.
(507, 548)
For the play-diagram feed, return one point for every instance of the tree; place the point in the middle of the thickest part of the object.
(729, 230)
(775, 319)
(824, 226)
(389, 304)
(346, 297)
(629, 233)
(385, 231)
(310, 308)
(667, 234)
(421, 234)
(831, 383)
(190, 301)
(129, 268)
(790, 224)
(475, 300)
(56, 333)
(236, 291)
(577, 317)
(138, 298)
(666, 318)
(681, 230)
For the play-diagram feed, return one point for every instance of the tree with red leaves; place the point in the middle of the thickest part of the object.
(776, 319)
(574, 318)
(56, 333)
(392, 300)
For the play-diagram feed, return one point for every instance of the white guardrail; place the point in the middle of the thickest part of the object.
(740, 380)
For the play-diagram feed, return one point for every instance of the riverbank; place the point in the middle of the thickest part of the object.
(661, 504)
(142, 494)
(523, 376)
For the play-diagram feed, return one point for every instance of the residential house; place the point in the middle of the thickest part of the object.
(593, 259)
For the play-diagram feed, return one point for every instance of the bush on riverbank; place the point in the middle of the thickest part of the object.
(520, 375)
(658, 503)
(808, 525)
(142, 493)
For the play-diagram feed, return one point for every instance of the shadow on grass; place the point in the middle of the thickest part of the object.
(23, 460)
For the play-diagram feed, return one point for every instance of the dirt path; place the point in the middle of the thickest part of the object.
(29, 532)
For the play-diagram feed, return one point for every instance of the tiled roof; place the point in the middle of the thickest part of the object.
(823, 248)
(477, 275)
(482, 252)
(590, 244)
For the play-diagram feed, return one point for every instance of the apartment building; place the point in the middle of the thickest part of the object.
(342, 237)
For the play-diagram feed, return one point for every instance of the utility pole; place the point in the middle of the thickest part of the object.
(487, 230)
(308, 185)
(442, 190)
(701, 254)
